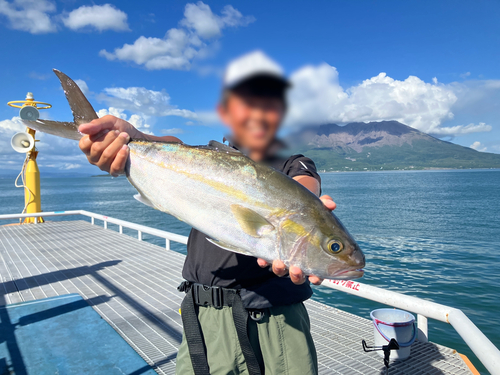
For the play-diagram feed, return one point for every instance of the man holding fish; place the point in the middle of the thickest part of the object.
(241, 315)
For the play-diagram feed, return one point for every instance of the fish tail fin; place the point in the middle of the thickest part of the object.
(83, 112)
(61, 129)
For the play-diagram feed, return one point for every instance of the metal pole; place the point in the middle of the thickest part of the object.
(139, 235)
(167, 244)
(423, 333)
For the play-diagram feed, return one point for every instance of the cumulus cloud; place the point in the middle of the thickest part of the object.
(82, 85)
(32, 16)
(196, 36)
(462, 129)
(38, 17)
(139, 120)
(199, 18)
(100, 17)
(140, 99)
(478, 146)
(317, 97)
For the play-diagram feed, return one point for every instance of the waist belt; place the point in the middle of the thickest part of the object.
(203, 295)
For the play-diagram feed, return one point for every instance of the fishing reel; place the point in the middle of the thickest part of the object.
(393, 345)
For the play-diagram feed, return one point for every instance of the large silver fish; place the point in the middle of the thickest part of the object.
(243, 206)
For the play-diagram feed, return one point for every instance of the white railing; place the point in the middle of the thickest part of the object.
(482, 347)
(168, 236)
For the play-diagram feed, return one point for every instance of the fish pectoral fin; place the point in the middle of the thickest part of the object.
(251, 222)
(231, 248)
(141, 198)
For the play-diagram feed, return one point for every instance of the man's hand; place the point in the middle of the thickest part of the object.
(105, 142)
(296, 274)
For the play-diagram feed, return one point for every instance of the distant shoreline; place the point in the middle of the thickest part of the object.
(413, 170)
(5, 177)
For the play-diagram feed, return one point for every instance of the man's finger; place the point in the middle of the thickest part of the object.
(109, 153)
(328, 202)
(85, 145)
(97, 125)
(296, 275)
(315, 280)
(279, 268)
(100, 144)
(262, 262)
(118, 165)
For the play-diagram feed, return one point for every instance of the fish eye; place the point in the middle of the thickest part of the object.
(335, 246)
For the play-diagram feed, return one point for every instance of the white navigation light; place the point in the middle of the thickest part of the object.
(22, 142)
(29, 113)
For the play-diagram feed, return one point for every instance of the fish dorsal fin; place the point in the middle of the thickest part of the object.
(80, 106)
(221, 147)
(225, 246)
(251, 222)
(141, 198)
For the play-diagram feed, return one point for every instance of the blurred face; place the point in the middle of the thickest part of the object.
(254, 121)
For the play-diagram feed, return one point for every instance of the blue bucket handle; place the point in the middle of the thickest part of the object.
(403, 345)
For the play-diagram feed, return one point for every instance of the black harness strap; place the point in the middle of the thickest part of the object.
(194, 337)
(197, 294)
(240, 317)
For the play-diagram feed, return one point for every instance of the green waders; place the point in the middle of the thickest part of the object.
(281, 342)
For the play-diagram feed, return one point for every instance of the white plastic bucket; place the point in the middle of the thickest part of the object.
(394, 324)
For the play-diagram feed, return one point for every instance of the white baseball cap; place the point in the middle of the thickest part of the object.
(252, 65)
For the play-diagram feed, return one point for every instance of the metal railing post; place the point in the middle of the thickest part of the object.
(120, 229)
(167, 244)
(423, 332)
(92, 220)
(139, 235)
(105, 224)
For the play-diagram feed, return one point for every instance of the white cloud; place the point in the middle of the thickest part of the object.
(139, 121)
(462, 129)
(172, 131)
(101, 17)
(478, 146)
(199, 17)
(12, 126)
(68, 166)
(140, 99)
(29, 15)
(179, 46)
(82, 85)
(465, 75)
(7, 129)
(317, 97)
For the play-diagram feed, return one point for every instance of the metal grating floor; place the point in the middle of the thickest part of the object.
(132, 285)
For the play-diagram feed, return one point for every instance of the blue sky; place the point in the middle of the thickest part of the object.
(432, 65)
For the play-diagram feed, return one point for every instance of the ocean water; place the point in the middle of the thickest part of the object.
(430, 234)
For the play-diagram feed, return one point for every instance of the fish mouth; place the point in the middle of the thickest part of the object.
(348, 274)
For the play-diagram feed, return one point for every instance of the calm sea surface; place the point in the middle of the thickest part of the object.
(430, 234)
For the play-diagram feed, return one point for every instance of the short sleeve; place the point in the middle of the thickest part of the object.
(299, 165)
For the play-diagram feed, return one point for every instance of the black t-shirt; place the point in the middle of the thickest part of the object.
(210, 265)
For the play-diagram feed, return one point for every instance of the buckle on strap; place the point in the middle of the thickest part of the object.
(205, 295)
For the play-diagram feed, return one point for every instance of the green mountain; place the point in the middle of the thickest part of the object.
(385, 145)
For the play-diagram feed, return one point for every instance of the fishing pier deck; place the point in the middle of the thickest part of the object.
(132, 285)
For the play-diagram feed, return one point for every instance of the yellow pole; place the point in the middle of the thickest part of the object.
(32, 197)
